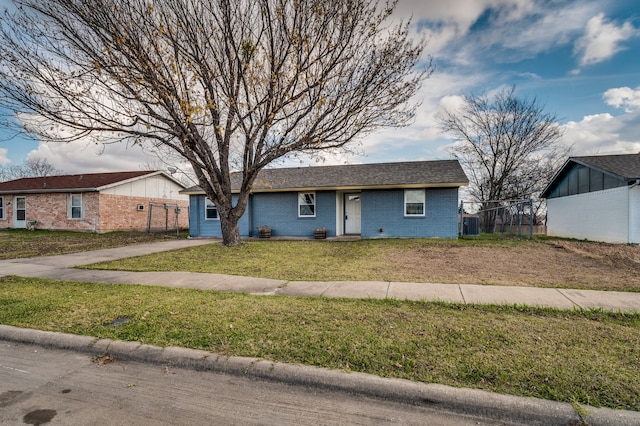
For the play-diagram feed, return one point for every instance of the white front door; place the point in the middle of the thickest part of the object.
(352, 213)
(19, 212)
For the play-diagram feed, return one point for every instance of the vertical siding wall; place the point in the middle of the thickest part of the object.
(597, 216)
(384, 209)
(634, 215)
(152, 187)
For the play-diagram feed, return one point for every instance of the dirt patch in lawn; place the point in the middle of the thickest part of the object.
(565, 264)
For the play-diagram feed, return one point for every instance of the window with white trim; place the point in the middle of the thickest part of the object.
(75, 211)
(414, 202)
(210, 210)
(306, 204)
(1, 208)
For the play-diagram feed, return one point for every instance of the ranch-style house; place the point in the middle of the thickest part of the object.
(407, 199)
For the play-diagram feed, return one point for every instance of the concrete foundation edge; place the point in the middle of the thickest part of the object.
(473, 402)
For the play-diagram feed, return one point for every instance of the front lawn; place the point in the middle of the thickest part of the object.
(540, 263)
(19, 243)
(586, 357)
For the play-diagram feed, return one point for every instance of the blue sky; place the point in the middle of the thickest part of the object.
(579, 58)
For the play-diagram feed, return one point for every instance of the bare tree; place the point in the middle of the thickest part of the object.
(509, 148)
(228, 85)
(32, 167)
(40, 167)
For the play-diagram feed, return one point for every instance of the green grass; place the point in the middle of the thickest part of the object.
(287, 260)
(588, 357)
(293, 260)
(19, 243)
(490, 261)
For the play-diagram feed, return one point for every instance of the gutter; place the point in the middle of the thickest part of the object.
(342, 188)
(46, 191)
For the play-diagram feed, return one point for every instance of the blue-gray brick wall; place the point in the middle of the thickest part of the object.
(382, 215)
(279, 211)
(201, 227)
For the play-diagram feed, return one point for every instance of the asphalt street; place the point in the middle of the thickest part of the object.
(45, 386)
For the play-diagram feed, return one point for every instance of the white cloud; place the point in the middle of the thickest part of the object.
(445, 21)
(604, 134)
(452, 103)
(543, 30)
(602, 40)
(83, 157)
(508, 30)
(623, 97)
(422, 139)
(3, 157)
(463, 13)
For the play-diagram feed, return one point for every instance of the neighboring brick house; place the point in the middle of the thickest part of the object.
(410, 199)
(596, 198)
(95, 202)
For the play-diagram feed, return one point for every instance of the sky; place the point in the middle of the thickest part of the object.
(580, 59)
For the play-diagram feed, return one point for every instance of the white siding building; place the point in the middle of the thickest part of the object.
(596, 198)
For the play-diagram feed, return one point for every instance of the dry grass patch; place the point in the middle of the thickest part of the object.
(539, 263)
(20, 243)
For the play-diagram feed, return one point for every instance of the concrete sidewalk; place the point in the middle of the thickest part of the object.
(62, 267)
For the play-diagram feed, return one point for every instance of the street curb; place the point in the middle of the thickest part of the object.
(472, 402)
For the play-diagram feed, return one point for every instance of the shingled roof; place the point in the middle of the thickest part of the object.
(356, 176)
(66, 183)
(625, 166)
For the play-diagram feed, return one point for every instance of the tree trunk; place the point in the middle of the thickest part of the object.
(230, 231)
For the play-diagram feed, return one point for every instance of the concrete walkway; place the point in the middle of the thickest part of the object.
(62, 267)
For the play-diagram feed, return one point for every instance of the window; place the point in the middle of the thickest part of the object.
(210, 210)
(414, 202)
(21, 208)
(307, 204)
(76, 206)
(1, 207)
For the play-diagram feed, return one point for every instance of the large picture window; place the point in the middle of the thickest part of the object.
(210, 210)
(414, 202)
(76, 206)
(306, 204)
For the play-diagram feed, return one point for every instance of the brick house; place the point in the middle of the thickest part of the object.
(95, 202)
(410, 199)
